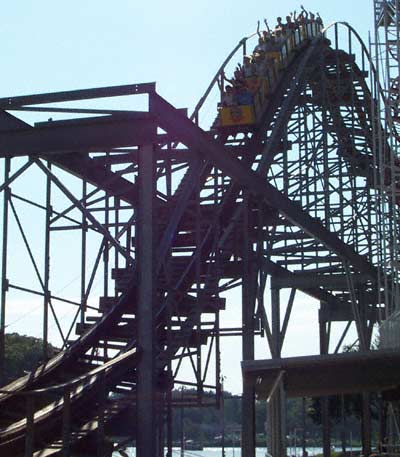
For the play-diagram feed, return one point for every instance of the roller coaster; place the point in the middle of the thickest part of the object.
(170, 213)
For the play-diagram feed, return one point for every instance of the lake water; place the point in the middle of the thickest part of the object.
(233, 452)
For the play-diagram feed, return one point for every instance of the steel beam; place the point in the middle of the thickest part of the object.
(86, 135)
(343, 312)
(87, 169)
(82, 94)
(287, 315)
(331, 282)
(334, 304)
(79, 165)
(330, 374)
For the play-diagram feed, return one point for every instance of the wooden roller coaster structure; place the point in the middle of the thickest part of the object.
(169, 217)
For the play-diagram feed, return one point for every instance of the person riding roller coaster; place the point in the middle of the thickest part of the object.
(253, 80)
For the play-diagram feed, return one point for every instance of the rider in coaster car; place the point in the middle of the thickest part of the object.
(238, 75)
(290, 25)
(267, 42)
(244, 96)
(279, 39)
(247, 68)
(304, 12)
(236, 82)
(300, 19)
(264, 32)
(279, 25)
(228, 97)
(270, 44)
(261, 46)
(260, 62)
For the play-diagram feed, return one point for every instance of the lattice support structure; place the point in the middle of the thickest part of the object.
(170, 218)
(387, 55)
(386, 50)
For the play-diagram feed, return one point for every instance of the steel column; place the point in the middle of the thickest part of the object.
(366, 413)
(83, 255)
(169, 440)
(66, 423)
(101, 438)
(248, 304)
(146, 398)
(304, 425)
(276, 405)
(326, 426)
(4, 284)
(30, 426)
(46, 279)
(366, 424)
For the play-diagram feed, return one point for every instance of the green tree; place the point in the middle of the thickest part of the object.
(22, 354)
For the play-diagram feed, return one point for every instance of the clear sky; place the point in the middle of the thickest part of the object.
(49, 46)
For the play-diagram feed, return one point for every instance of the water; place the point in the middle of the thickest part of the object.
(232, 452)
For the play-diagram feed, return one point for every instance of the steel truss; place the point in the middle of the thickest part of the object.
(169, 218)
(386, 50)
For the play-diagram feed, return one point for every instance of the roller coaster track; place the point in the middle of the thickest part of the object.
(256, 191)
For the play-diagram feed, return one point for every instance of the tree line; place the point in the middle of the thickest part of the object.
(207, 425)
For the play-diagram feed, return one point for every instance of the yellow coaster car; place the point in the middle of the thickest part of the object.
(237, 115)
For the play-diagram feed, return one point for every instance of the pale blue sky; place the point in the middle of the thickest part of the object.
(49, 46)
